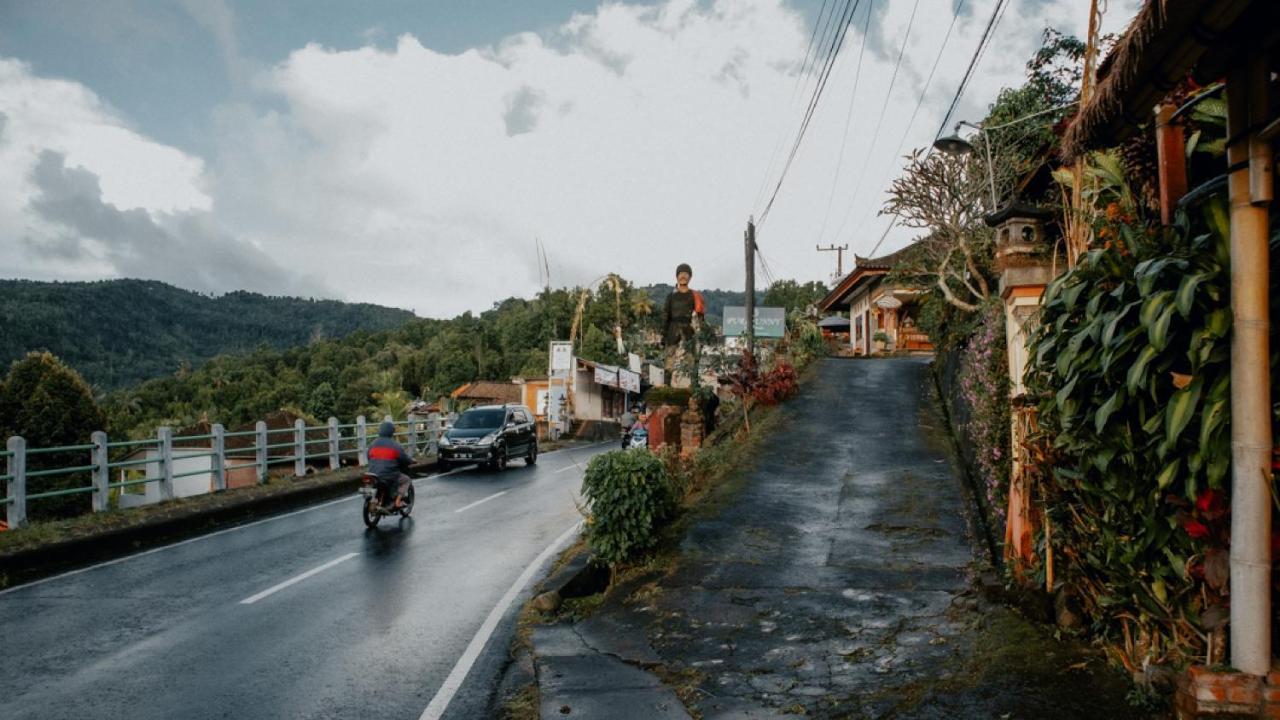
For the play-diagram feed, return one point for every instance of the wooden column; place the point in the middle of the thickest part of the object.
(1171, 150)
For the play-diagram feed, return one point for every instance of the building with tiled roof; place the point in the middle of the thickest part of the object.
(874, 305)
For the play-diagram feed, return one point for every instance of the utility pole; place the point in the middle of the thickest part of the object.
(750, 237)
(839, 251)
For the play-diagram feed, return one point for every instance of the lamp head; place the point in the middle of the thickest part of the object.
(953, 144)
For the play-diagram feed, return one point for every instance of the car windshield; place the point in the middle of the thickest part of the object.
(477, 419)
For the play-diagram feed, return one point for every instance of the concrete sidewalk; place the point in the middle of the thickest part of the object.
(833, 583)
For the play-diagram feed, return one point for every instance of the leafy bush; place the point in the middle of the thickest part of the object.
(804, 339)
(629, 494)
(667, 395)
(775, 385)
(1131, 368)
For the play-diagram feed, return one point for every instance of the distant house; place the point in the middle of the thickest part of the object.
(191, 459)
(601, 391)
(876, 305)
(485, 392)
(534, 395)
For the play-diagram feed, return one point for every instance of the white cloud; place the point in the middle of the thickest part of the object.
(85, 196)
(630, 139)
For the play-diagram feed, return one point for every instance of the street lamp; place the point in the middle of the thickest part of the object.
(955, 145)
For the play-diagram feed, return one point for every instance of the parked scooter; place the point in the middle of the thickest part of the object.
(380, 498)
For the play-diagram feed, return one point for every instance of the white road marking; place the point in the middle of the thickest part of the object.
(445, 694)
(567, 469)
(214, 534)
(465, 508)
(296, 579)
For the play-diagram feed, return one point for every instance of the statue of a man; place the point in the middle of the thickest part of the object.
(683, 309)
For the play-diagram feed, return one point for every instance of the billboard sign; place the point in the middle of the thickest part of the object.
(771, 322)
(561, 359)
(617, 378)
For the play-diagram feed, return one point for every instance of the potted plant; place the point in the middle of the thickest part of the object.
(882, 339)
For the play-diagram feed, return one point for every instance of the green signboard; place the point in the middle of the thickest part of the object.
(771, 322)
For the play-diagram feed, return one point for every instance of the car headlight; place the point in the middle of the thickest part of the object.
(444, 441)
(487, 440)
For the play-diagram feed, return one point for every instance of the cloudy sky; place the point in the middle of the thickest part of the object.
(410, 152)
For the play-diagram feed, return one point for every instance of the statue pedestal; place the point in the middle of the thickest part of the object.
(691, 428)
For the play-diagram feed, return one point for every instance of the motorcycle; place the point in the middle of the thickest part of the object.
(638, 437)
(379, 500)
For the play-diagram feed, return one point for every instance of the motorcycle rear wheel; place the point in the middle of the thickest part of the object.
(408, 502)
(371, 516)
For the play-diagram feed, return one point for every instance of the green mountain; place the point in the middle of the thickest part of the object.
(120, 332)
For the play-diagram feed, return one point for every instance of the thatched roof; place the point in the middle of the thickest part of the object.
(1165, 41)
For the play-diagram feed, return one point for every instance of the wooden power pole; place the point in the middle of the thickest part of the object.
(839, 251)
(751, 286)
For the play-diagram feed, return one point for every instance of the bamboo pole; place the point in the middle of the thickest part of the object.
(1248, 187)
(1078, 232)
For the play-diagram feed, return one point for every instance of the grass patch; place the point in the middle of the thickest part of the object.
(526, 704)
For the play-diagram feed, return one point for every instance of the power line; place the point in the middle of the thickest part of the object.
(836, 43)
(919, 103)
(996, 13)
(848, 121)
(800, 76)
(862, 173)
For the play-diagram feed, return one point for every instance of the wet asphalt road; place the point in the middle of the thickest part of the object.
(374, 633)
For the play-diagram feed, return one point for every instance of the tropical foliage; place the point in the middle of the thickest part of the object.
(1131, 369)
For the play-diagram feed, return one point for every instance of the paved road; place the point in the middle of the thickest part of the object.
(830, 582)
(306, 614)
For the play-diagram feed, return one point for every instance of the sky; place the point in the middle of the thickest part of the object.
(414, 153)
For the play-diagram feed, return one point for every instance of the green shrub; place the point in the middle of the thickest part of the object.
(629, 494)
(666, 395)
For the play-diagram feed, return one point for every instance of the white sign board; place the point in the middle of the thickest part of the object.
(656, 375)
(635, 362)
(561, 359)
(618, 378)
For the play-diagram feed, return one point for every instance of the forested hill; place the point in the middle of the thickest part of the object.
(120, 332)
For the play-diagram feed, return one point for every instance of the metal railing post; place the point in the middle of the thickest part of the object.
(299, 447)
(260, 450)
(413, 438)
(165, 436)
(362, 440)
(101, 473)
(333, 443)
(17, 470)
(219, 459)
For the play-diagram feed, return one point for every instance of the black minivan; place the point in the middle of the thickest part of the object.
(490, 435)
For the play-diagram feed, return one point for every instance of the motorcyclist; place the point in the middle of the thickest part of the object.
(389, 462)
(627, 419)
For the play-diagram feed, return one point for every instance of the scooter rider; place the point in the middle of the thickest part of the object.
(389, 462)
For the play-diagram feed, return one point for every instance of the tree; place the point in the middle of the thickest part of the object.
(323, 402)
(794, 296)
(945, 195)
(50, 405)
